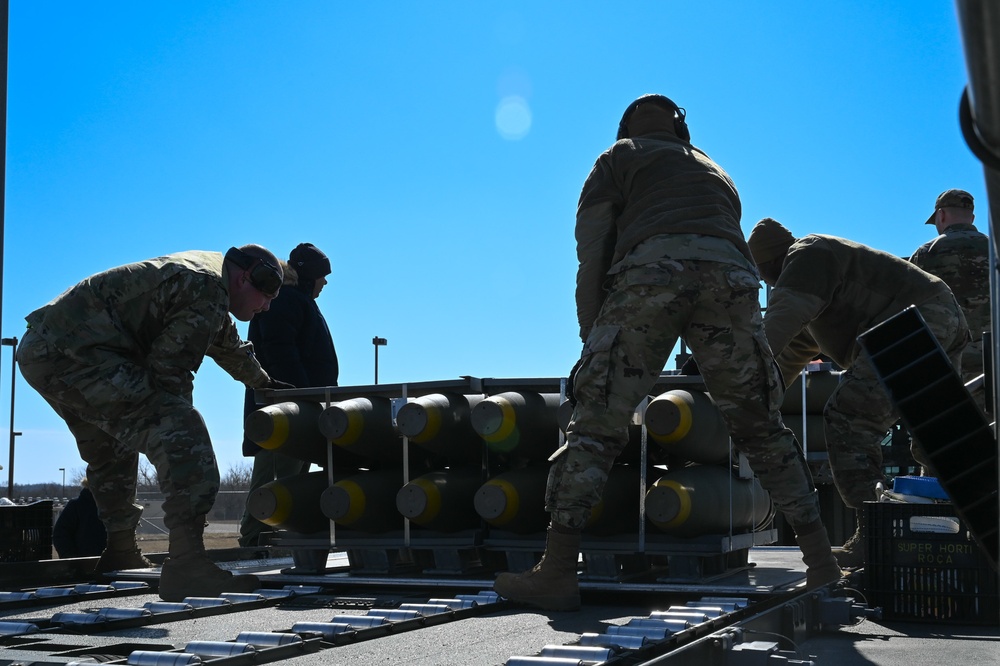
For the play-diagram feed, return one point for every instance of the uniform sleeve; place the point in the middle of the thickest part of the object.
(803, 291)
(191, 307)
(595, 245)
(788, 313)
(797, 353)
(236, 357)
(596, 236)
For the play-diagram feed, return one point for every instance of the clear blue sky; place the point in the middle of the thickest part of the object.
(435, 151)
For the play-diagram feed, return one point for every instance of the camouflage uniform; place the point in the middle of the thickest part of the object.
(960, 257)
(115, 356)
(679, 267)
(831, 290)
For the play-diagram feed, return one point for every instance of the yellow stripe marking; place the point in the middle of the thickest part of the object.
(684, 512)
(279, 431)
(433, 507)
(355, 426)
(512, 505)
(433, 426)
(683, 427)
(356, 501)
(282, 505)
(507, 423)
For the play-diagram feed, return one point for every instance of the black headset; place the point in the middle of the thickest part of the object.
(665, 103)
(264, 276)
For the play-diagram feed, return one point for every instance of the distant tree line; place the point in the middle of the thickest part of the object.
(228, 506)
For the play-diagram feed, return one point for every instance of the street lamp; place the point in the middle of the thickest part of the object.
(12, 343)
(378, 342)
(63, 470)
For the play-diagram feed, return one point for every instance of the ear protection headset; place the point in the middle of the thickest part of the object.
(665, 103)
(265, 277)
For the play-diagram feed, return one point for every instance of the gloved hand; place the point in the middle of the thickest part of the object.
(277, 384)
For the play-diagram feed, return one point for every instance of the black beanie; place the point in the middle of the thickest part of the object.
(309, 262)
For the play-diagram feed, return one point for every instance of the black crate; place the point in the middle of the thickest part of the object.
(26, 532)
(927, 576)
(941, 414)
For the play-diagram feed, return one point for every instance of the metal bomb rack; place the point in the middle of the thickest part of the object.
(447, 478)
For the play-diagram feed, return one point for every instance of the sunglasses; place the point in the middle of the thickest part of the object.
(264, 276)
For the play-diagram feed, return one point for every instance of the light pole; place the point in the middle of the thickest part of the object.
(12, 343)
(378, 342)
(63, 470)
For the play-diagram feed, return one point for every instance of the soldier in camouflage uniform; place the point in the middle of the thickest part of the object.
(826, 292)
(960, 257)
(115, 356)
(662, 255)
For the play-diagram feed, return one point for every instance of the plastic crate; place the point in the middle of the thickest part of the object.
(927, 576)
(26, 532)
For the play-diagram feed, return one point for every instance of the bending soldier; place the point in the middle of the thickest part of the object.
(115, 356)
(826, 292)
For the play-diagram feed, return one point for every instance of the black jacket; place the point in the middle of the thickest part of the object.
(292, 342)
(78, 531)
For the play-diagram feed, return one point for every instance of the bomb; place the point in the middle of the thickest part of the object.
(364, 501)
(820, 386)
(706, 499)
(290, 428)
(362, 426)
(441, 500)
(689, 426)
(515, 500)
(520, 422)
(290, 502)
(441, 423)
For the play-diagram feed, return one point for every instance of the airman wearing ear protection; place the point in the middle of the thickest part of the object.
(661, 256)
(115, 356)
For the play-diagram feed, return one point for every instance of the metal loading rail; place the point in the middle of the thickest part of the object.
(719, 626)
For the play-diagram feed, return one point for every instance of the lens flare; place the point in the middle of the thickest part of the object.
(513, 118)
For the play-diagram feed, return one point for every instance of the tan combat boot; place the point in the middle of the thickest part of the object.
(821, 565)
(122, 552)
(552, 584)
(188, 572)
(852, 554)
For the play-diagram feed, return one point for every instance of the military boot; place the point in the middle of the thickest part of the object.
(852, 553)
(552, 584)
(821, 565)
(122, 552)
(188, 572)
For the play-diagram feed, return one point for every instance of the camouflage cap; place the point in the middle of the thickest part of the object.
(951, 199)
(769, 239)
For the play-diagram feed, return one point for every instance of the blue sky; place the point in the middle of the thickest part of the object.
(435, 151)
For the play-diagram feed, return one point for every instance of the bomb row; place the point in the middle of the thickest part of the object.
(683, 425)
(685, 502)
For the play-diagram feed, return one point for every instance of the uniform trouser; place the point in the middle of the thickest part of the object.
(267, 466)
(116, 412)
(859, 413)
(715, 308)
